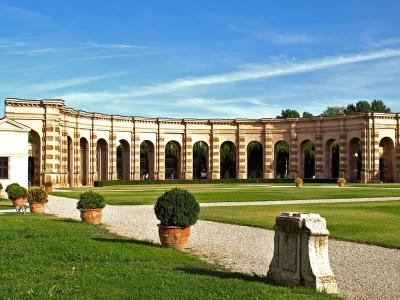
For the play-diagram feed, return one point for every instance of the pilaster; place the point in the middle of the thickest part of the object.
(293, 152)
(187, 156)
(268, 152)
(241, 161)
(319, 151)
(343, 150)
(215, 156)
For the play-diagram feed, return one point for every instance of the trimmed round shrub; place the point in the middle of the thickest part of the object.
(91, 200)
(48, 184)
(1, 186)
(37, 195)
(10, 186)
(298, 180)
(17, 192)
(177, 208)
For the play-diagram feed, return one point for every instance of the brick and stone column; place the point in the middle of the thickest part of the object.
(76, 180)
(241, 159)
(343, 150)
(319, 151)
(112, 153)
(364, 151)
(215, 156)
(374, 171)
(161, 156)
(397, 147)
(187, 156)
(268, 152)
(92, 155)
(293, 152)
(135, 157)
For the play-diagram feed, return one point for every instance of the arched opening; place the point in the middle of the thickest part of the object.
(123, 160)
(172, 160)
(84, 155)
(34, 158)
(146, 160)
(308, 159)
(386, 160)
(228, 160)
(200, 160)
(69, 160)
(355, 159)
(255, 160)
(281, 159)
(102, 159)
(332, 159)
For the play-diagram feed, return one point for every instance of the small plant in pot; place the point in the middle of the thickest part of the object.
(341, 182)
(48, 186)
(17, 194)
(299, 182)
(177, 210)
(37, 198)
(91, 205)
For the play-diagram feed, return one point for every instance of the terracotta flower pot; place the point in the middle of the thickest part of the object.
(48, 189)
(91, 215)
(19, 202)
(341, 184)
(36, 208)
(173, 236)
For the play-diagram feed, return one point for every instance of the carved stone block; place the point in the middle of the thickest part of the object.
(301, 252)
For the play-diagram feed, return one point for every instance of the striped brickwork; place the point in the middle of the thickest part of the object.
(54, 122)
(268, 152)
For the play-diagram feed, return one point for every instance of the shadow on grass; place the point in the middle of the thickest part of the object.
(125, 241)
(224, 274)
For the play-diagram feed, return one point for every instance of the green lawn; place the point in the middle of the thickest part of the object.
(369, 222)
(5, 204)
(45, 257)
(147, 194)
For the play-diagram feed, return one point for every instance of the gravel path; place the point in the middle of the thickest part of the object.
(362, 271)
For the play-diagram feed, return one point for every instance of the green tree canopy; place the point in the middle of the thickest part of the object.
(288, 113)
(307, 114)
(333, 111)
(379, 106)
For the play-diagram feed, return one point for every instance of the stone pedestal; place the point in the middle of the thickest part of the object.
(301, 252)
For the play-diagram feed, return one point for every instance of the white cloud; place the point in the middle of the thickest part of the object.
(112, 46)
(262, 72)
(69, 82)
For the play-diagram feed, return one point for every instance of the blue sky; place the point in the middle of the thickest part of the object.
(204, 59)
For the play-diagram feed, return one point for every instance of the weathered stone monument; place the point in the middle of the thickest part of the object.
(301, 252)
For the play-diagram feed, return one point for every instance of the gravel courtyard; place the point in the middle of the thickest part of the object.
(362, 271)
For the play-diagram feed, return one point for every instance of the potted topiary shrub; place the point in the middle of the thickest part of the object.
(299, 182)
(17, 194)
(91, 205)
(37, 198)
(177, 210)
(341, 181)
(10, 186)
(48, 186)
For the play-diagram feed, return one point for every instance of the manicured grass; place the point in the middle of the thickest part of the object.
(44, 257)
(147, 194)
(368, 222)
(5, 204)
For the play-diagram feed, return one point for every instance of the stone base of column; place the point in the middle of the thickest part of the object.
(242, 176)
(187, 176)
(215, 175)
(268, 175)
(161, 176)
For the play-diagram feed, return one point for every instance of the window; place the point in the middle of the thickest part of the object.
(3, 167)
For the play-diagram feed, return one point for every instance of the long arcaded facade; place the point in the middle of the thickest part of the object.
(71, 147)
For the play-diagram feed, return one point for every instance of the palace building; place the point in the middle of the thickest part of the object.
(70, 147)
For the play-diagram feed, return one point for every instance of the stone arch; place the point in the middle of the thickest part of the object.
(228, 160)
(123, 160)
(70, 160)
(200, 160)
(34, 158)
(386, 160)
(355, 159)
(102, 159)
(173, 160)
(332, 159)
(281, 155)
(84, 155)
(255, 161)
(146, 160)
(307, 155)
